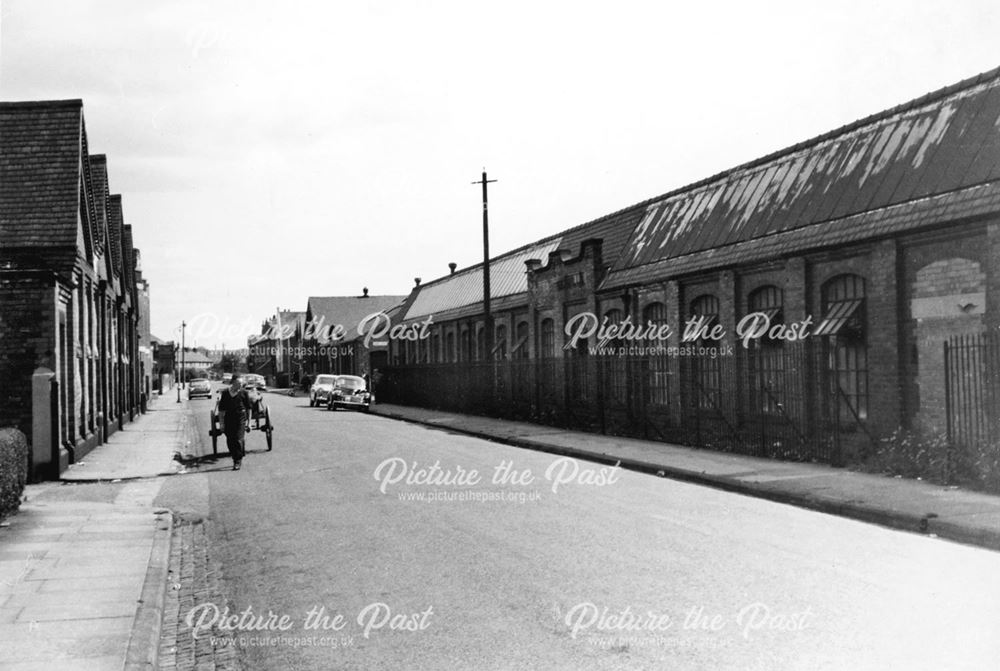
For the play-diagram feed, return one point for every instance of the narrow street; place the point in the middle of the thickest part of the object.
(559, 564)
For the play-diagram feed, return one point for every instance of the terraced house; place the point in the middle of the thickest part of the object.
(880, 240)
(70, 290)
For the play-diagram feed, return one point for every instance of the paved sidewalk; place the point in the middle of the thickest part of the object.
(82, 583)
(948, 512)
(143, 449)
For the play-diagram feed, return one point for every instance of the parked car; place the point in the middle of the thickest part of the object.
(227, 377)
(253, 381)
(350, 391)
(199, 386)
(319, 392)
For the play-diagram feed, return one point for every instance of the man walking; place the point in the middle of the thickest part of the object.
(234, 412)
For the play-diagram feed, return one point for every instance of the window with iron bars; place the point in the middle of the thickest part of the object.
(843, 332)
(657, 390)
(706, 370)
(765, 354)
(547, 357)
(614, 366)
(578, 372)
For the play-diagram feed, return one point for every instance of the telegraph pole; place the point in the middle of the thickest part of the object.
(487, 316)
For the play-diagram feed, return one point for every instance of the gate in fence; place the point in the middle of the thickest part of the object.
(972, 389)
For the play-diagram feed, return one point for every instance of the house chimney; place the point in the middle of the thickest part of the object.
(364, 292)
(452, 266)
(416, 281)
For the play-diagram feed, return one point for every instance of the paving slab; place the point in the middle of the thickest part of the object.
(81, 581)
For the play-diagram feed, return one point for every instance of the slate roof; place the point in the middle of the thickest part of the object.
(461, 294)
(844, 185)
(347, 311)
(116, 222)
(99, 180)
(40, 162)
(128, 257)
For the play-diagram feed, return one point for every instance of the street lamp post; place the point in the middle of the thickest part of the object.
(183, 327)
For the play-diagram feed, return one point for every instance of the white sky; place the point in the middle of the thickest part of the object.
(266, 152)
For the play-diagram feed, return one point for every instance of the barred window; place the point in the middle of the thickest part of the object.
(521, 377)
(436, 347)
(546, 359)
(766, 354)
(843, 329)
(520, 349)
(499, 352)
(614, 366)
(466, 353)
(449, 345)
(655, 361)
(706, 369)
(548, 338)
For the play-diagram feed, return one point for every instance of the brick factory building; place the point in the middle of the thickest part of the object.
(882, 237)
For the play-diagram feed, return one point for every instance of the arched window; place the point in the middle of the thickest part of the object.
(500, 343)
(844, 332)
(657, 392)
(766, 354)
(436, 347)
(614, 365)
(547, 342)
(547, 358)
(579, 376)
(521, 379)
(424, 346)
(520, 350)
(466, 340)
(449, 347)
(706, 368)
(480, 343)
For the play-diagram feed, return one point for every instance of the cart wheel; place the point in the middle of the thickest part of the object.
(268, 429)
(214, 432)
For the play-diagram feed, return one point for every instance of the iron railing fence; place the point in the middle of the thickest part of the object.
(779, 402)
(972, 389)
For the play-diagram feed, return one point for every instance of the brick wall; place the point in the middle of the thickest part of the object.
(944, 295)
(27, 322)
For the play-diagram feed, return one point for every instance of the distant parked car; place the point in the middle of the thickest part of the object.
(254, 381)
(319, 392)
(350, 391)
(199, 387)
(227, 377)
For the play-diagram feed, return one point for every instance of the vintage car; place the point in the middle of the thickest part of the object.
(199, 386)
(319, 392)
(350, 391)
(253, 381)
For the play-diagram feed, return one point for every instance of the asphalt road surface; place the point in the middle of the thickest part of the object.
(344, 549)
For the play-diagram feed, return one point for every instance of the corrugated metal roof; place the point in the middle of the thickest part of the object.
(940, 143)
(507, 276)
(971, 202)
(461, 294)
